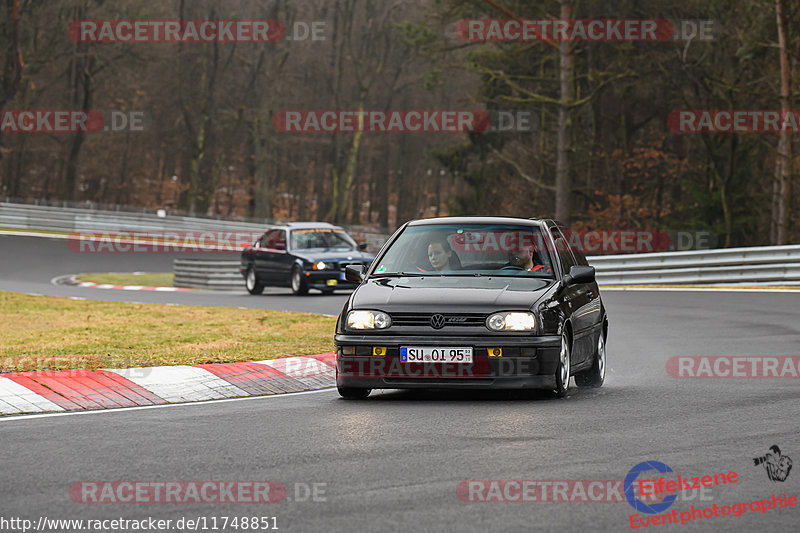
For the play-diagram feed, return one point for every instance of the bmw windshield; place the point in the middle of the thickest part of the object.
(322, 239)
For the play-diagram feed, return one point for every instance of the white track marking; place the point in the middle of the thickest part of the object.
(311, 372)
(22, 399)
(180, 383)
(162, 406)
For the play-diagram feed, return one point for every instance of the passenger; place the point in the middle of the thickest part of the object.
(441, 256)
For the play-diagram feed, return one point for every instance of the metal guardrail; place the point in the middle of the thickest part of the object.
(766, 265)
(207, 274)
(76, 219)
(754, 265)
(73, 219)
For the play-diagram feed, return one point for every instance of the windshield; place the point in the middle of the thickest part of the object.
(322, 238)
(468, 250)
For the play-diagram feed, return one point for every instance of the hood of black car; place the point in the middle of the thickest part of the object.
(449, 294)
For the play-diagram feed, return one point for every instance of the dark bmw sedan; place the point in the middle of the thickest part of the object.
(472, 303)
(303, 256)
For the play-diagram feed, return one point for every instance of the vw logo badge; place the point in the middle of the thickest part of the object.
(437, 321)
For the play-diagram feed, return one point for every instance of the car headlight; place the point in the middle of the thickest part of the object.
(368, 320)
(319, 265)
(511, 321)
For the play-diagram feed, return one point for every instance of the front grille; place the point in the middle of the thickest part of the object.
(345, 264)
(450, 320)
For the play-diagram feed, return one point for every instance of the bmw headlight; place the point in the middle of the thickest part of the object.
(368, 320)
(319, 265)
(511, 321)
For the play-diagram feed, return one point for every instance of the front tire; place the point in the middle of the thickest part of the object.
(564, 365)
(252, 283)
(299, 285)
(353, 393)
(596, 375)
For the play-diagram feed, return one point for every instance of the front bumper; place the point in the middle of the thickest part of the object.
(327, 279)
(527, 362)
(322, 279)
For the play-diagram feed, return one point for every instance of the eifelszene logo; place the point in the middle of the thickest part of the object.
(629, 486)
(777, 465)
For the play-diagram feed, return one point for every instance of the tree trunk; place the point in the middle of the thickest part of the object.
(562, 163)
(12, 75)
(81, 98)
(783, 163)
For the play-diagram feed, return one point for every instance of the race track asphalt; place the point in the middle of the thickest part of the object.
(394, 461)
(27, 264)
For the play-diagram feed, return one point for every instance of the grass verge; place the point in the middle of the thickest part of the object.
(47, 333)
(146, 279)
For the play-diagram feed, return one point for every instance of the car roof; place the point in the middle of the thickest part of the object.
(478, 220)
(305, 225)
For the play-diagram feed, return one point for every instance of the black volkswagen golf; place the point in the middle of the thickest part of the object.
(472, 302)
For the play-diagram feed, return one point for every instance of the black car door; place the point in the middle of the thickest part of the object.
(267, 256)
(258, 255)
(282, 260)
(581, 301)
(591, 315)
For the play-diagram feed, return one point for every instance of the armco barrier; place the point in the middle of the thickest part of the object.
(755, 265)
(765, 265)
(76, 219)
(207, 274)
(770, 265)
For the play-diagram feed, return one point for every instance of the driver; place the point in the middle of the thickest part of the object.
(524, 259)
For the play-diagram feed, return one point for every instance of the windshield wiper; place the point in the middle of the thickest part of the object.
(401, 274)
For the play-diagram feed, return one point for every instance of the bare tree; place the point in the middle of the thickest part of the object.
(782, 189)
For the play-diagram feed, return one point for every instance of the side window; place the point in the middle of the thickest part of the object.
(580, 259)
(563, 251)
(275, 240)
(280, 240)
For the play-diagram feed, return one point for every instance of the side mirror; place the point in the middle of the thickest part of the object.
(362, 246)
(580, 274)
(354, 273)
